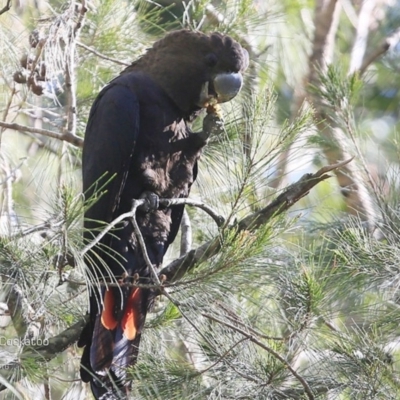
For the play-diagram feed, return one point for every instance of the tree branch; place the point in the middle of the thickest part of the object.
(139, 236)
(354, 190)
(222, 356)
(58, 343)
(219, 220)
(177, 268)
(66, 136)
(19, 307)
(249, 336)
(389, 42)
(6, 8)
(186, 234)
(326, 19)
(55, 345)
(355, 193)
(166, 202)
(360, 43)
(69, 72)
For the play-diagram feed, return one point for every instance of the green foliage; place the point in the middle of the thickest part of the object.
(338, 90)
(307, 303)
(32, 266)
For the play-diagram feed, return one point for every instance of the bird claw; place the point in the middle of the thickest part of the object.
(152, 202)
(213, 124)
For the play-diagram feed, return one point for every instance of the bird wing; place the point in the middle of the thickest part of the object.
(111, 134)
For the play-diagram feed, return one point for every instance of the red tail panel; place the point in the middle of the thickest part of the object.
(130, 322)
(107, 316)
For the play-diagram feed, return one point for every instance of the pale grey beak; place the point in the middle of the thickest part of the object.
(222, 88)
(227, 86)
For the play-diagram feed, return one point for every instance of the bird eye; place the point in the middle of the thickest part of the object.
(211, 59)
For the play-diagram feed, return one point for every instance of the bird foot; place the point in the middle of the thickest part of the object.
(213, 123)
(152, 201)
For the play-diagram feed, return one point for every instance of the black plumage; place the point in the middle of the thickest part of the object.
(137, 144)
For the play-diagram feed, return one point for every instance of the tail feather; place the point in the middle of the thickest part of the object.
(111, 341)
(108, 318)
(108, 388)
(131, 321)
(101, 349)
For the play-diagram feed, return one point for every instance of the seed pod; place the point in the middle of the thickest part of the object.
(19, 77)
(24, 61)
(37, 89)
(34, 38)
(35, 86)
(42, 71)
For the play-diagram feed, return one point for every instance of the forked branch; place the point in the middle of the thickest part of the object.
(270, 350)
(6, 8)
(180, 266)
(177, 268)
(219, 220)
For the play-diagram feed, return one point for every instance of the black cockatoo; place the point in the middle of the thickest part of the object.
(138, 145)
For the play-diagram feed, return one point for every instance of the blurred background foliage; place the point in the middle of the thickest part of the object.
(305, 307)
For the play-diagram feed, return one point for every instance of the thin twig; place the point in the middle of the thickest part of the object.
(186, 234)
(388, 42)
(132, 216)
(38, 228)
(7, 108)
(42, 119)
(19, 307)
(165, 202)
(66, 136)
(223, 356)
(249, 336)
(108, 228)
(39, 51)
(47, 392)
(254, 332)
(104, 57)
(6, 8)
(219, 220)
(363, 27)
(139, 236)
(69, 72)
(292, 194)
(177, 268)
(81, 18)
(113, 284)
